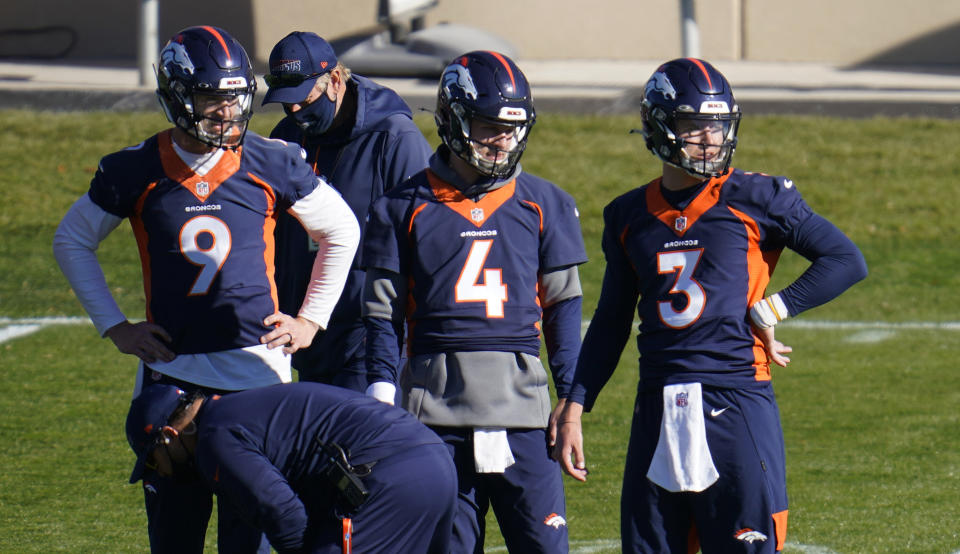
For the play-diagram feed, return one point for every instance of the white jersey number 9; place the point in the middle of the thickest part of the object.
(205, 241)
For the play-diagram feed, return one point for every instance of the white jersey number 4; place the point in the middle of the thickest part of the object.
(682, 263)
(469, 289)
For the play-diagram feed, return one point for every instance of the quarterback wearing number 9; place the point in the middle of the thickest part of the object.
(203, 199)
(479, 256)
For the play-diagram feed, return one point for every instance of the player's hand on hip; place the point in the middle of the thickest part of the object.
(291, 333)
(775, 349)
(145, 340)
(568, 449)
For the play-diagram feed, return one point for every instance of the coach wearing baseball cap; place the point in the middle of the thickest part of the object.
(360, 137)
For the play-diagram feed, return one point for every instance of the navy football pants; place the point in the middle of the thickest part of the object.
(744, 511)
(527, 498)
(410, 509)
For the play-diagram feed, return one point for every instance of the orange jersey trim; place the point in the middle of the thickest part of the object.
(780, 527)
(539, 212)
(199, 186)
(143, 240)
(759, 269)
(452, 198)
(269, 224)
(671, 217)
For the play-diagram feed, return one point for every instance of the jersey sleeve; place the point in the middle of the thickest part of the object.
(561, 240)
(300, 181)
(120, 180)
(836, 262)
(783, 209)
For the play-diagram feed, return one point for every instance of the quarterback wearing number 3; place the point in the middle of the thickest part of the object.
(692, 252)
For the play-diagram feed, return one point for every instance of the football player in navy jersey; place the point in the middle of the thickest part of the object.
(694, 250)
(358, 135)
(203, 199)
(479, 258)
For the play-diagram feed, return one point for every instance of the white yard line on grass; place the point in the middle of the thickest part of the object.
(881, 325)
(11, 328)
(855, 325)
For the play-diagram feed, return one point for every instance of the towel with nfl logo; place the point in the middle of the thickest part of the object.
(682, 461)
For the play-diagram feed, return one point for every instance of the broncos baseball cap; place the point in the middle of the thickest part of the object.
(295, 63)
(148, 414)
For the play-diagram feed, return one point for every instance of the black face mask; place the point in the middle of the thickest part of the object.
(316, 118)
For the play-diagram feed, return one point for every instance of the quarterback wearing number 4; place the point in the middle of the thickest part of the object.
(476, 255)
(694, 251)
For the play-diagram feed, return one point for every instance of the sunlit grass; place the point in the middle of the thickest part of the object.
(870, 418)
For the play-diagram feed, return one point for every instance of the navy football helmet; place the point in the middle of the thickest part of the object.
(690, 118)
(206, 84)
(486, 87)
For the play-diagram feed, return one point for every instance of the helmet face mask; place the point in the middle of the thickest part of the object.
(205, 84)
(493, 147)
(485, 112)
(221, 120)
(690, 118)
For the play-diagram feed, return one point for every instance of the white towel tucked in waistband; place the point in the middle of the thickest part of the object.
(682, 461)
(491, 450)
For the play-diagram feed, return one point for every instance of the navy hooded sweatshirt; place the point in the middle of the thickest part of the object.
(381, 150)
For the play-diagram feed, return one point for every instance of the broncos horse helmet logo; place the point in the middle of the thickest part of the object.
(456, 75)
(177, 54)
(750, 536)
(661, 83)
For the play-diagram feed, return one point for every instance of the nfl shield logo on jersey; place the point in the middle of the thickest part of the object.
(680, 223)
(476, 214)
(203, 188)
(682, 399)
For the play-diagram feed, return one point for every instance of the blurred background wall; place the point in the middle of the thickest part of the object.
(841, 32)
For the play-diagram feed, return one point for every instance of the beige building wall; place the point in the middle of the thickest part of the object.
(842, 32)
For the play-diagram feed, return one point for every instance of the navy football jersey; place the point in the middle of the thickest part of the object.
(698, 270)
(473, 266)
(206, 242)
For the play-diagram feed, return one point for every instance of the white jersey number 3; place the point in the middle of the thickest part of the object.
(469, 289)
(205, 241)
(682, 263)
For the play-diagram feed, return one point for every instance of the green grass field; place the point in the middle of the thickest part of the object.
(870, 412)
